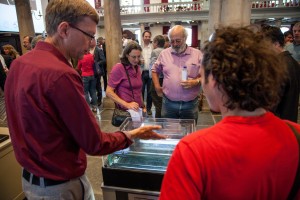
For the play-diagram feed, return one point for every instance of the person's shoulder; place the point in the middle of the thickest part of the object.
(117, 67)
(289, 46)
(166, 51)
(194, 50)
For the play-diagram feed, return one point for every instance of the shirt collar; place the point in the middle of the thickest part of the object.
(46, 46)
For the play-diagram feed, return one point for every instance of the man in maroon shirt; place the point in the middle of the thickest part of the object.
(51, 125)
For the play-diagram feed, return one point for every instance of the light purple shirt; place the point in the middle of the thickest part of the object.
(118, 80)
(170, 64)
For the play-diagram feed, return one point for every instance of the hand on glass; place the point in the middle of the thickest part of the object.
(146, 133)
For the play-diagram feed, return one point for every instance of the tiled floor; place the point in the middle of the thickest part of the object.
(205, 119)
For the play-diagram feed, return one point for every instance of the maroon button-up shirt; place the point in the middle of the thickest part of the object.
(51, 125)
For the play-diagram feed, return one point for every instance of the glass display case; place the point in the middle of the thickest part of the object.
(150, 155)
(142, 165)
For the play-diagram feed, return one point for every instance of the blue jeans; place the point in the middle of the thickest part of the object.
(78, 188)
(180, 109)
(89, 86)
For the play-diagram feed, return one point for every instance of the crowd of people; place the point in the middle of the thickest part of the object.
(251, 78)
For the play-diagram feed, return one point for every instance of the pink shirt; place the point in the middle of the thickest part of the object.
(50, 124)
(245, 158)
(171, 64)
(86, 65)
(118, 80)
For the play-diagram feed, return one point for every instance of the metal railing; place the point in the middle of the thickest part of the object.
(275, 4)
(161, 7)
(193, 6)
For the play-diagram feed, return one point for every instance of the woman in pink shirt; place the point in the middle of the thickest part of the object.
(118, 88)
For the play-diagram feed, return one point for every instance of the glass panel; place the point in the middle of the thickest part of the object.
(150, 155)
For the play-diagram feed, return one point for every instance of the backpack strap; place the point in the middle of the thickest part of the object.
(296, 184)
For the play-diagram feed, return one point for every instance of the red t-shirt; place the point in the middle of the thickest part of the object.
(238, 158)
(86, 65)
(51, 125)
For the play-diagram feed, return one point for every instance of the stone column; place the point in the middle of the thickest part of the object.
(24, 20)
(229, 13)
(236, 12)
(214, 15)
(113, 34)
(113, 39)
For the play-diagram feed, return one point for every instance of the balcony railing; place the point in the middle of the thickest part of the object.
(275, 4)
(161, 7)
(193, 6)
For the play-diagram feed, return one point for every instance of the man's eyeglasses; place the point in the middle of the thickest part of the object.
(85, 33)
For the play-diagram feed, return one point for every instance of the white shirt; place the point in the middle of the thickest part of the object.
(146, 53)
(3, 62)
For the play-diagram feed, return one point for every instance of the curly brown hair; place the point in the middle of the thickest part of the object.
(245, 67)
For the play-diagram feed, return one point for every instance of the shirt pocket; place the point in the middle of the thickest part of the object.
(193, 70)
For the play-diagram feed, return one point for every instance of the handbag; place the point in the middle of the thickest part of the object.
(120, 115)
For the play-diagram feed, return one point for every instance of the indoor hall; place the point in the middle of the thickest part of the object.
(262, 12)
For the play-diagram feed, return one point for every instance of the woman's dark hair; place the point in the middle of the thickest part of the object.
(126, 51)
(287, 33)
(245, 68)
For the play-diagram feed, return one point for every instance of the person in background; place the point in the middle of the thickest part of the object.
(3, 71)
(288, 37)
(125, 94)
(10, 51)
(287, 107)
(167, 41)
(35, 40)
(86, 68)
(27, 42)
(99, 59)
(158, 46)
(294, 48)
(251, 153)
(51, 126)
(180, 97)
(146, 54)
(127, 36)
(102, 45)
